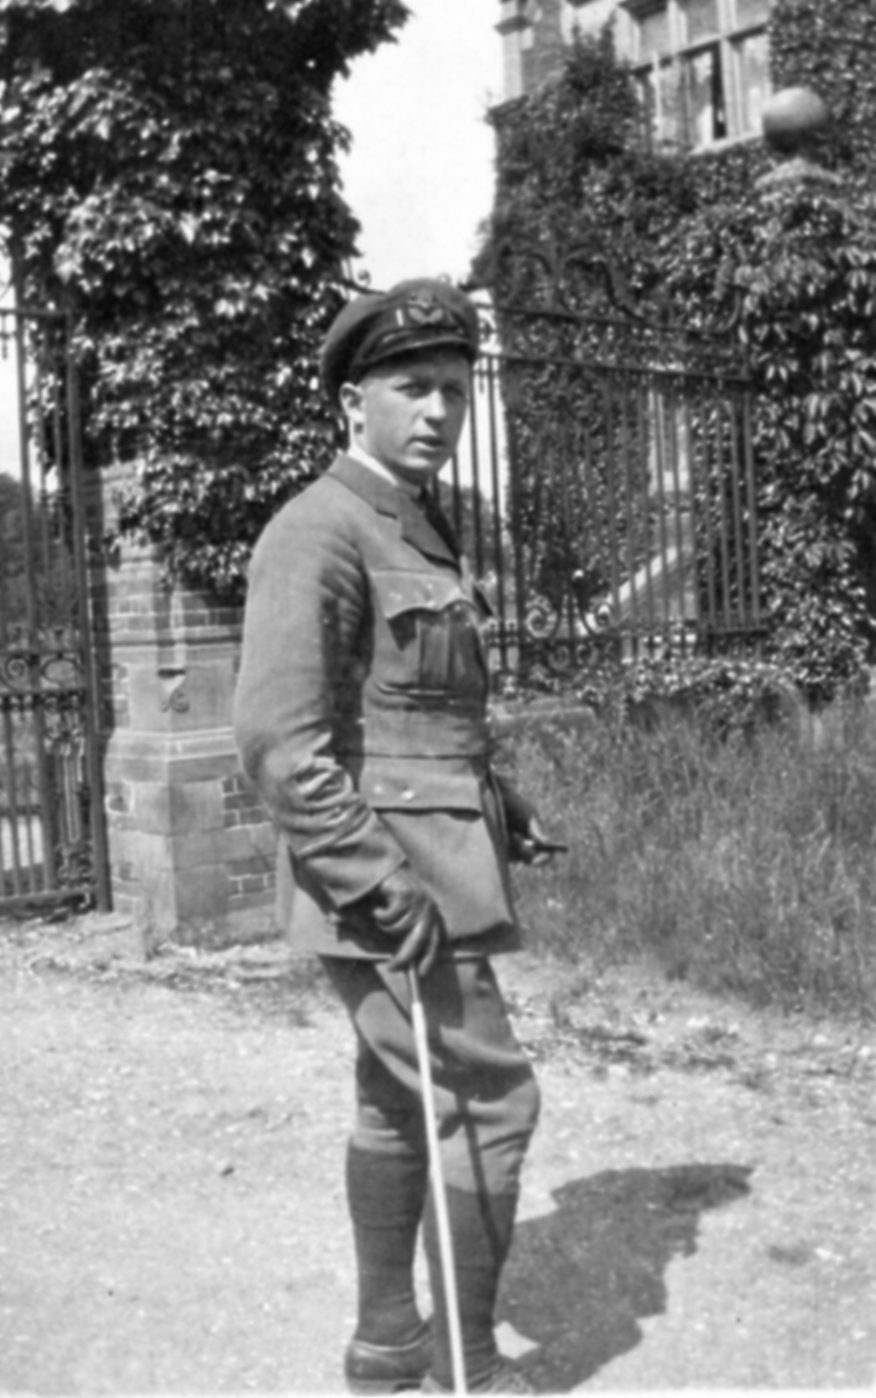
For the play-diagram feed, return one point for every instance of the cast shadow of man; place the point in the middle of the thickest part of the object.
(579, 1279)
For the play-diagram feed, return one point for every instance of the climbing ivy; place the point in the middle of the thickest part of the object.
(830, 46)
(787, 267)
(169, 176)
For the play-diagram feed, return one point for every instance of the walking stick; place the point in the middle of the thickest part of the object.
(445, 1240)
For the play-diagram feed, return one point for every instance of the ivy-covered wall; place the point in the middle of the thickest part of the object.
(571, 155)
(789, 266)
(168, 173)
(830, 46)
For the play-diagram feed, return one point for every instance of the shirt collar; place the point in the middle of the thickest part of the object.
(385, 496)
(365, 458)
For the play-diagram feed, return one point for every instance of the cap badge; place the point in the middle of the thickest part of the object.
(424, 308)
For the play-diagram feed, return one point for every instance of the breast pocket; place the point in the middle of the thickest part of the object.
(432, 643)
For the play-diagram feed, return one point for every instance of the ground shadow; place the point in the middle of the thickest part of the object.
(580, 1279)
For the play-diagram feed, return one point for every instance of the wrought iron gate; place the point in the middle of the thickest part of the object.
(606, 491)
(52, 844)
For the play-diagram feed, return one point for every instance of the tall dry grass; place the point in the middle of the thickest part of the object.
(746, 864)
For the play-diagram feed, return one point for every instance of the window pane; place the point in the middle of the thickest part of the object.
(751, 12)
(646, 86)
(672, 118)
(752, 81)
(699, 19)
(704, 97)
(653, 32)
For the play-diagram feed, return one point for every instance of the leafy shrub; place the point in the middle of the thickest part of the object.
(172, 181)
(725, 694)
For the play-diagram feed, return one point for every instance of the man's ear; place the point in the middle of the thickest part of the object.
(351, 397)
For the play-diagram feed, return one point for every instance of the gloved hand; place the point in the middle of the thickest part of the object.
(403, 910)
(531, 844)
(528, 841)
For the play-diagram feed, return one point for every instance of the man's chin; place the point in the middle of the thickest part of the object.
(421, 467)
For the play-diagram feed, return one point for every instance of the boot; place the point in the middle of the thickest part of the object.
(481, 1227)
(391, 1346)
(388, 1368)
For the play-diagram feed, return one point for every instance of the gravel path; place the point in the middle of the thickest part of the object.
(699, 1205)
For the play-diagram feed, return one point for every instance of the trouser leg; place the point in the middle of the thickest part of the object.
(486, 1103)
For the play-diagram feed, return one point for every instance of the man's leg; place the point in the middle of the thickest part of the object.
(387, 1179)
(487, 1103)
(485, 1134)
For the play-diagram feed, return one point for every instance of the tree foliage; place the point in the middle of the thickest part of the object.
(572, 169)
(168, 173)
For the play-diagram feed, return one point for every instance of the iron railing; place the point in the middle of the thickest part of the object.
(52, 844)
(606, 489)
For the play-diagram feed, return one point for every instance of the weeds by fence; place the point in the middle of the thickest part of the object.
(746, 864)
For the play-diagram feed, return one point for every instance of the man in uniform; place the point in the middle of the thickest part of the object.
(361, 716)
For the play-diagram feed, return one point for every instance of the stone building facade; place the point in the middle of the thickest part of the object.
(701, 65)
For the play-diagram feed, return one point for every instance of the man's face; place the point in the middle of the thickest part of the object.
(409, 413)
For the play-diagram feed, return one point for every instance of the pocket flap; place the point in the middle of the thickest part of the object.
(401, 591)
(405, 789)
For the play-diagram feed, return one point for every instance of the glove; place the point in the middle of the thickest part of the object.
(528, 842)
(403, 910)
(531, 844)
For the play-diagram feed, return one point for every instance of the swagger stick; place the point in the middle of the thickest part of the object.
(445, 1241)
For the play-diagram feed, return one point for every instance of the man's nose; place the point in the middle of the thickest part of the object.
(436, 405)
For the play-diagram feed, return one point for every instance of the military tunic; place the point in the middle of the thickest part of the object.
(361, 715)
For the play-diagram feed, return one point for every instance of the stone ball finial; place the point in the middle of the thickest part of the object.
(791, 117)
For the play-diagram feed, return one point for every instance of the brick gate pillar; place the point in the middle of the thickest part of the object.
(191, 849)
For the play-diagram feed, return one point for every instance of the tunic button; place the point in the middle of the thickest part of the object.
(407, 794)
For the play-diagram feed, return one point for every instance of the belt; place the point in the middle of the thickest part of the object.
(415, 733)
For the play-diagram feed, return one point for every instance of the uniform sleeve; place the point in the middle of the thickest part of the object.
(306, 598)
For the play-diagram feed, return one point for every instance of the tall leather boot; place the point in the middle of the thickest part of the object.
(481, 1227)
(391, 1347)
